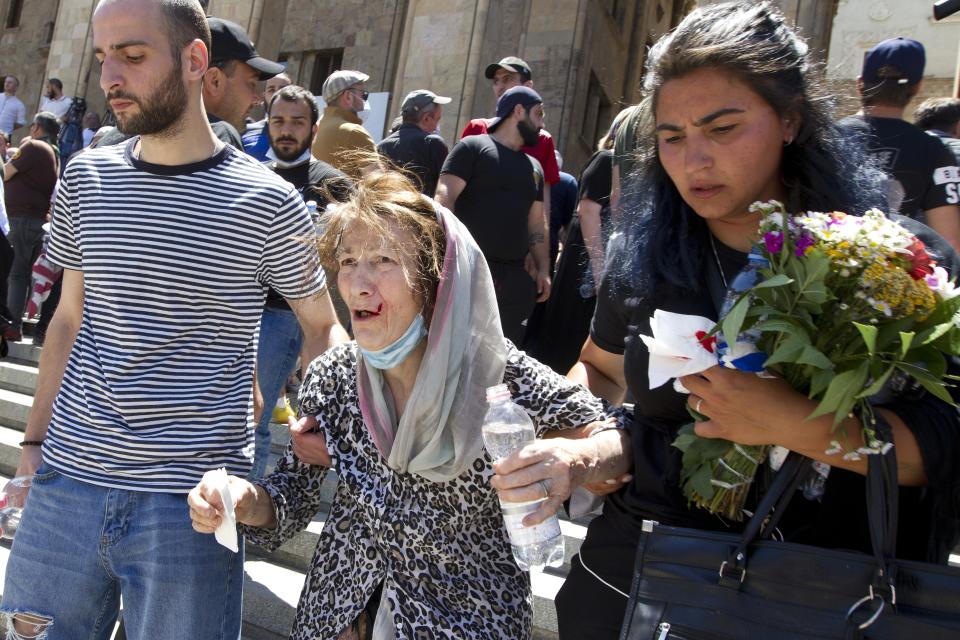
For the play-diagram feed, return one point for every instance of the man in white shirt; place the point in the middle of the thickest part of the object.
(12, 112)
(54, 101)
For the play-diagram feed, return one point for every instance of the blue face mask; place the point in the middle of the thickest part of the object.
(393, 354)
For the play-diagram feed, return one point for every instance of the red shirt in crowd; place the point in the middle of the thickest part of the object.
(543, 151)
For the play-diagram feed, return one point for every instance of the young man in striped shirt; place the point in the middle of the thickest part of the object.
(167, 242)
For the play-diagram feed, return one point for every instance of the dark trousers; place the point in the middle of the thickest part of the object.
(516, 296)
(26, 236)
(587, 609)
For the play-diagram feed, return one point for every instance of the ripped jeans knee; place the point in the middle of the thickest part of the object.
(23, 625)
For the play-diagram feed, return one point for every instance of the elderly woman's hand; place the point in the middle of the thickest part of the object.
(744, 407)
(206, 505)
(309, 444)
(552, 467)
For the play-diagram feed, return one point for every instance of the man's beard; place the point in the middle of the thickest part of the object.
(51, 94)
(288, 156)
(529, 133)
(159, 115)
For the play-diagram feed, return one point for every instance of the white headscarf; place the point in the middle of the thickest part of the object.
(439, 435)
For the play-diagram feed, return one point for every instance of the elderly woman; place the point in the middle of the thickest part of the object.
(734, 115)
(401, 410)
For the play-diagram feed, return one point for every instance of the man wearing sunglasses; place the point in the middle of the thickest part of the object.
(341, 130)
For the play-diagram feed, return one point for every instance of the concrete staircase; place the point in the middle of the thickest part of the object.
(273, 580)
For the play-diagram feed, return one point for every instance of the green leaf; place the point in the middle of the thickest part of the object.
(685, 438)
(929, 335)
(815, 358)
(733, 321)
(905, 339)
(819, 381)
(781, 325)
(930, 358)
(869, 334)
(930, 383)
(789, 350)
(700, 482)
(842, 391)
(877, 384)
(778, 280)
(890, 331)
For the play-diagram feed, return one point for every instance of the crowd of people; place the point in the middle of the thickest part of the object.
(197, 259)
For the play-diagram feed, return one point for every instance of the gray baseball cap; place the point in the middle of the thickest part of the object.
(512, 64)
(338, 81)
(420, 98)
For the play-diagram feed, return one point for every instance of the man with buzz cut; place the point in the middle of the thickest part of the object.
(167, 242)
(496, 190)
(416, 146)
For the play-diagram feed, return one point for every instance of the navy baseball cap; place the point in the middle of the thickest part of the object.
(900, 59)
(509, 101)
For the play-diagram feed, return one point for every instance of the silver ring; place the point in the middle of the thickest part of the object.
(696, 407)
(543, 485)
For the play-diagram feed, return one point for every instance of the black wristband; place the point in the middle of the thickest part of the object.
(31, 443)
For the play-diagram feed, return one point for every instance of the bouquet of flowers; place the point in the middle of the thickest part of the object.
(848, 307)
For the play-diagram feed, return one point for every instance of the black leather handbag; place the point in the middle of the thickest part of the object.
(690, 584)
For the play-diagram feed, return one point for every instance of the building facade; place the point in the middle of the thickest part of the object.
(587, 56)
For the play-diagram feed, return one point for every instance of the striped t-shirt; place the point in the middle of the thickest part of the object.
(176, 261)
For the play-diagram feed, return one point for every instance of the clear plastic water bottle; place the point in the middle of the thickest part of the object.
(314, 216)
(507, 428)
(9, 521)
(13, 497)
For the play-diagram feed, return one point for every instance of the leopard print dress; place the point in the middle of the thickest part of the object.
(440, 549)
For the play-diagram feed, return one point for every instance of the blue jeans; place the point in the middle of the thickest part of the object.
(79, 547)
(277, 352)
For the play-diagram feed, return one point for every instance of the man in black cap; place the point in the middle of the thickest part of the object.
(416, 146)
(230, 82)
(497, 191)
(508, 73)
(924, 179)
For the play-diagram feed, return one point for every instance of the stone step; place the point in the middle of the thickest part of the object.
(18, 376)
(24, 351)
(14, 409)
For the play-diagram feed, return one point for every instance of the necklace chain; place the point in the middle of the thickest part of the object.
(716, 256)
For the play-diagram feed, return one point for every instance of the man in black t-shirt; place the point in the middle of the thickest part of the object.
(925, 181)
(497, 192)
(291, 124)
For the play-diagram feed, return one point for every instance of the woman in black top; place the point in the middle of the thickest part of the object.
(734, 117)
(574, 296)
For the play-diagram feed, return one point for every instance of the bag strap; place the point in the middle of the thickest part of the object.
(883, 504)
(882, 495)
(766, 517)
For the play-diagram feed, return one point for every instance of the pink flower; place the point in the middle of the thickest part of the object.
(804, 242)
(773, 241)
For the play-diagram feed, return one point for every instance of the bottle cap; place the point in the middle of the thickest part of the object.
(497, 392)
